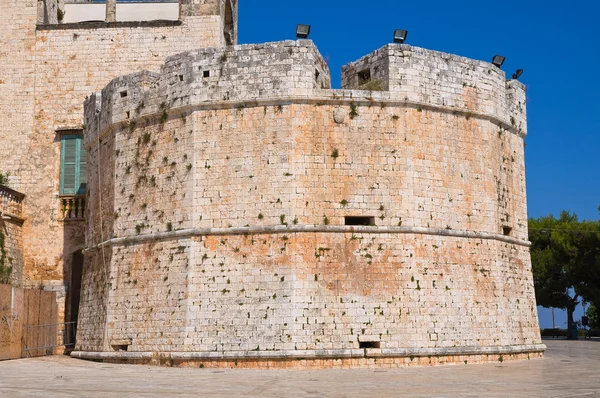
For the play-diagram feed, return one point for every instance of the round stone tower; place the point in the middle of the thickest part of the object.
(242, 213)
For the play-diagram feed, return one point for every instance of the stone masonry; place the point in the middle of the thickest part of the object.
(241, 212)
(46, 70)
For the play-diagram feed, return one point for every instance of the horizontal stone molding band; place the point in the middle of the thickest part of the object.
(314, 354)
(282, 229)
(334, 97)
(108, 25)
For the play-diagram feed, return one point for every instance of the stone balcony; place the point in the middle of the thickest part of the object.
(72, 207)
(11, 204)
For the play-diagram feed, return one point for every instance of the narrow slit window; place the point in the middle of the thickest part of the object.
(369, 344)
(365, 221)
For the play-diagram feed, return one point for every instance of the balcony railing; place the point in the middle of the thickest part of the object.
(72, 207)
(11, 204)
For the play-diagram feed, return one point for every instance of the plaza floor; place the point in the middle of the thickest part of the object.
(570, 369)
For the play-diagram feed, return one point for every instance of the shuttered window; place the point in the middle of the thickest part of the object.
(73, 165)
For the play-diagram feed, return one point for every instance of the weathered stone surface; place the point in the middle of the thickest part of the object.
(339, 115)
(225, 186)
(46, 72)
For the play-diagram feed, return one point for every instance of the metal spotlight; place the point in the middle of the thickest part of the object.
(498, 60)
(517, 74)
(302, 31)
(400, 36)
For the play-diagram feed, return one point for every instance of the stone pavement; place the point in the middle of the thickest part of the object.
(570, 369)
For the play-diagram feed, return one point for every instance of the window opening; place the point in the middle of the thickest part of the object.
(359, 220)
(73, 165)
(228, 31)
(206, 73)
(369, 344)
(364, 77)
(506, 230)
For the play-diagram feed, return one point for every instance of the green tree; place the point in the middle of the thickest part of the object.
(565, 259)
(593, 313)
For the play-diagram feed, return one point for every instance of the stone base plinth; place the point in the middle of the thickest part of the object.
(340, 359)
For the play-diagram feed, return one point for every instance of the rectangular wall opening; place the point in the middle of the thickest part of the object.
(506, 230)
(120, 347)
(364, 77)
(365, 221)
(369, 344)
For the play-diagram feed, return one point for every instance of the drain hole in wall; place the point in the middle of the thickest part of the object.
(123, 94)
(206, 73)
(369, 344)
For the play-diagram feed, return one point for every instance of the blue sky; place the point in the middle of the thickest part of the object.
(555, 42)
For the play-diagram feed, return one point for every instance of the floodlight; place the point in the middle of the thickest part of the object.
(498, 60)
(302, 31)
(517, 74)
(400, 36)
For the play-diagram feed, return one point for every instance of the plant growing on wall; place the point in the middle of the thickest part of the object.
(5, 270)
(3, 179)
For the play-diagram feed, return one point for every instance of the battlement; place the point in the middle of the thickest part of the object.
(247, 75)
(439, 79)
(231, 75)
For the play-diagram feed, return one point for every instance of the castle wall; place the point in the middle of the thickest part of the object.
(228, 216)
(303, 292)
(47, 72)
(443, 80)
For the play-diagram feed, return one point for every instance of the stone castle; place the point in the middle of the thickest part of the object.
(240, 212)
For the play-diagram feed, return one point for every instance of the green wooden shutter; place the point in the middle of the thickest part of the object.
(82, 174)
(69, 167)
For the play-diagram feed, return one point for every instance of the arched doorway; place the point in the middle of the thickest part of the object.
(228, 24)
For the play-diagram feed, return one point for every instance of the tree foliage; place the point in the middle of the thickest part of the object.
(565, 256)
(593, 313)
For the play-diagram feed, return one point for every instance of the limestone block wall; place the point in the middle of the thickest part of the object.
(431, 77)
(17, 40)
(11, 236)
(220, 228)
(11, 252)
(46, 72)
